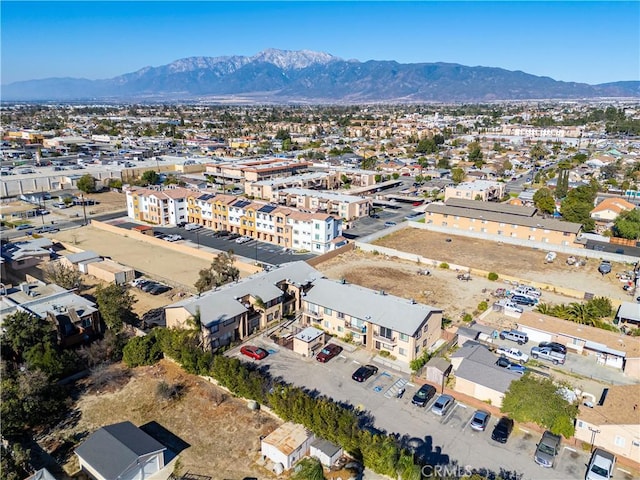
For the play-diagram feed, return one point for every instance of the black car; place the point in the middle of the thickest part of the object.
(502, 430)
(148, 286)
(158, 289)
(364, 372)
(555, 346)
(233, 236)
(422, 396)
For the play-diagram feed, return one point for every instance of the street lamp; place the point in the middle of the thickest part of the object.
(198, 238)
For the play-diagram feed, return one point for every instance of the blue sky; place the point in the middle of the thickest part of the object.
(592, 42)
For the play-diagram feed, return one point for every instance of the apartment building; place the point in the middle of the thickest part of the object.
(236, 310)
(348, 207)
(483, 190)
(158, 206)
(76, 319)
(268, 189)
(544, 132)
(376, 321)
(256, 170)
(502, 220)
(282, 226)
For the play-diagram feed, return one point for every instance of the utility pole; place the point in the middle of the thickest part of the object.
(84, 208)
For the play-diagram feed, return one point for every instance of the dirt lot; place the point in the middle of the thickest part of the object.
(524, 263)
(217, 435)
(161, 263)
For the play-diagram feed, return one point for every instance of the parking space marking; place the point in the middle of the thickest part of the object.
(446, 418)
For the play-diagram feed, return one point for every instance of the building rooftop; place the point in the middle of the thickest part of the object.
(288, 437)
(620, 407)
(309, 334)
(388, 311)
(340, 197)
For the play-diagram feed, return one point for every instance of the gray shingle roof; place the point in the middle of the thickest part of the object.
(479, 366)
(387, 311)
(113, 449)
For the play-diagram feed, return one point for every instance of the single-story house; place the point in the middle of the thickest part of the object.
(111, 271)
(609, 348)
(628, 312)
(308, 341)
(74, 260)
(121, 451)
(478, 376)
(20, 255)
(287, 444)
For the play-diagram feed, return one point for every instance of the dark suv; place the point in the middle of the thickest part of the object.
(502, 430)
(422, 396)
(555, 346)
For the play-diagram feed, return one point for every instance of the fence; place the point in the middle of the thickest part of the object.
(332, 254)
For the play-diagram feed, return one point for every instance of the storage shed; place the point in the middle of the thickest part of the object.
(308, 341)
(111, 271)
(328, 453)
(287, 444)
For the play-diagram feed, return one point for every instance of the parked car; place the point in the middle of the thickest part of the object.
(233, 236)
(509, 306)
(389, 224)
(442, 404)
(502, 430)
(374, 215)
(527, 291)
(192, 226)
(524, 300)
(254, 352)
(480, 420)
(23, 226)
(514, 335)
(244, 239)
(46, 229)
(555, 346)
(513, 354)
(504, 362)
(423, 395)
(158, 289)
(605, 267)
(547, 449)
(328, 352)
(601, 465)
(364, 372)
(148, 285)
(546, 353)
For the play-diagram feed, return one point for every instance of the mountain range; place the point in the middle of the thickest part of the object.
(281, 76)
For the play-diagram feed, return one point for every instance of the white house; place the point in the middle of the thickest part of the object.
(287, 444)
(121, 452)
(328, 453)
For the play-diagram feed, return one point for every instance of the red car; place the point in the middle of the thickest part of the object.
(328, 352)
(417, 204)
(256, 353)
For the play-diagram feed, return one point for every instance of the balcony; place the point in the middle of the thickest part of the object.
(355, 328)
(316, 316)
(389, 341)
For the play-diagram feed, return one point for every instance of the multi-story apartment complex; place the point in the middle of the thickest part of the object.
(484, 190)
(283, 226)
(376, 321)
(348, 207)
(545, 132)
(268, 189)
(502, 220)
(256, 170)
(166, 206)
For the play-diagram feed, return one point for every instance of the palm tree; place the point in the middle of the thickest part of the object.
(195, 322)
(544, 308)
(580, 313)
(561, 311)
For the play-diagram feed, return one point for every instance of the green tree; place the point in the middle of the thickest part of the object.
(222, 270)
(627, 225)
(308, 469)
(22, 331)
(543, 200)
(86, 183)
(283, 135)
(444, 163)
(562, 185)
(538, 400)
(14, 462)
(427, 145)
(474, 153)
(115, 304)
(538, 152)
(150, 177)
(142, 351)
(457, 175)
(395, 175)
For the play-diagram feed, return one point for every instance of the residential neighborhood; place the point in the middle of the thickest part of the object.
(310, 275)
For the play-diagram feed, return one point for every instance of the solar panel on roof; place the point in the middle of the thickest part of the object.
(206, 197)
(241, 204)
(267, 209)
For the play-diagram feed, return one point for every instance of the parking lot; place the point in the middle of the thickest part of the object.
(438, 440)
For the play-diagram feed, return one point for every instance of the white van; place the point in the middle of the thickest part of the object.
(192, 226)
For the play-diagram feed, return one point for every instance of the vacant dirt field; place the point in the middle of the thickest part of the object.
(217, 434)
(505, 259)
(161, 263)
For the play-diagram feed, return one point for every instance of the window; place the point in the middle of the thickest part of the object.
(580, 424)
(340, 315)
(402, 351)
(619, 441)
(231, 321)
(327, 311)
(386, 332)
(419, 334)
(404, 337)
(214, 328)
(327, 324)
(340, 329)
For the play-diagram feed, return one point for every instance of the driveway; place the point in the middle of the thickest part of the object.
(438, 440)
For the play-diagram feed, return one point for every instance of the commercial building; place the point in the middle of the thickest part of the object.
(502, 220)
(483, 190)
(255, 170)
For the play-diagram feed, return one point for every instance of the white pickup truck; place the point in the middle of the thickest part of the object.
(513, 354)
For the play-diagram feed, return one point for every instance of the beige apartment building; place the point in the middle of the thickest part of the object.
(482, 190)
(502, 220)
(614, 422)
(268, 189)
(376, 321)
(347, 207)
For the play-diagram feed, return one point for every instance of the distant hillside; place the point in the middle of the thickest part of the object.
(277, 76)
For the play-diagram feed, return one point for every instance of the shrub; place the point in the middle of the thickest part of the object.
(467, 317)
(141, 351)
(444, 266)
(482, 306)
(384, 353)
(493, 276)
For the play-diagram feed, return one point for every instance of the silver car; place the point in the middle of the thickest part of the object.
(442, 405)
(547, 449)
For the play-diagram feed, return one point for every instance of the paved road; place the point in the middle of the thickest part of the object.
(439, 440)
